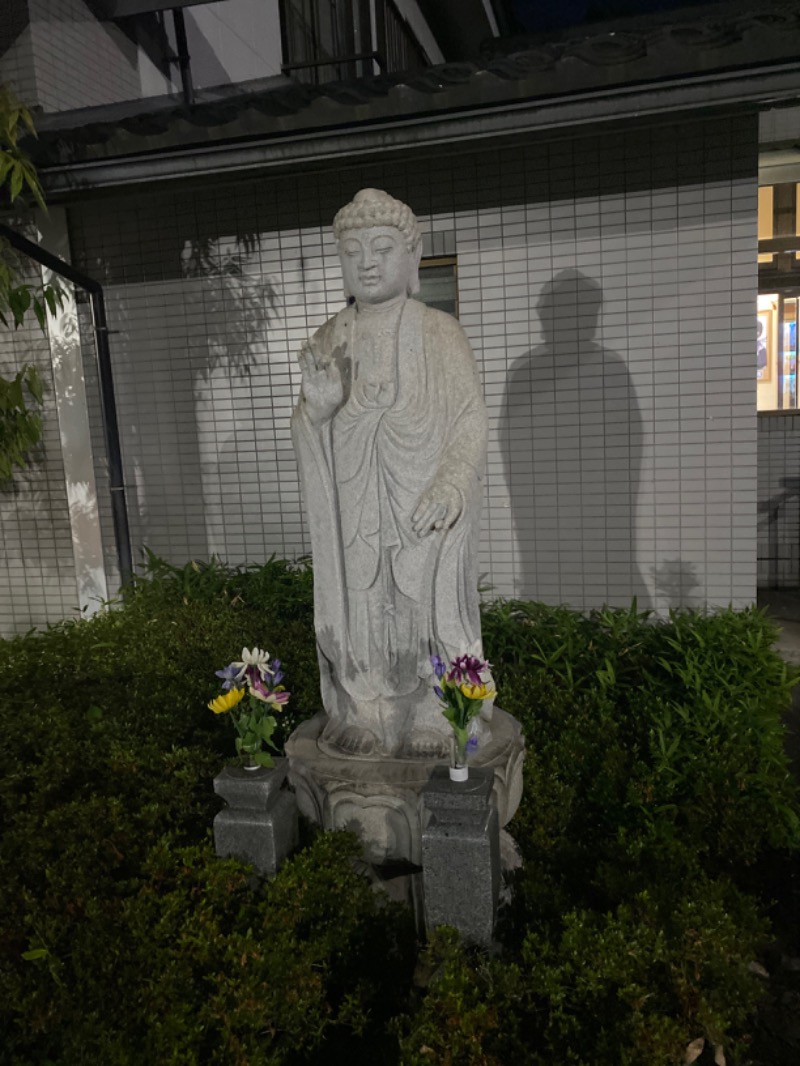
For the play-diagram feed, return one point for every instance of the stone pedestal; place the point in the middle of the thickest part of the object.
(380, 799)
(259, 825)
(461, 855)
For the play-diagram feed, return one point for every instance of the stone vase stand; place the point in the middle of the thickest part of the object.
(259, 825)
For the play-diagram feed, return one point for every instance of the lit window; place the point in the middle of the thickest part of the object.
(766, 225)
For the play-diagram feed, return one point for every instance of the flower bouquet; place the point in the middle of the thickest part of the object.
(252, 689)
(461, 689)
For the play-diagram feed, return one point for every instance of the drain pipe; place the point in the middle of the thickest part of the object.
(108, 405)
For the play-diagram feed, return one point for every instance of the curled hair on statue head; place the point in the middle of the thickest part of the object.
(374, 207)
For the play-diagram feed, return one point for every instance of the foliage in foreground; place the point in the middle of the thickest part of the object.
(20, 395)
(658, 819)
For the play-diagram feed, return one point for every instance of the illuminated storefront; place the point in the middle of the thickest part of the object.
(778, 294)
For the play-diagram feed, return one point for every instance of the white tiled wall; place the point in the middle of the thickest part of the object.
(607, 284)
(233, 41)
(37, 570)
(65, 54)
(16, 59)
(622, 442)
(68, 41)
(779, 499)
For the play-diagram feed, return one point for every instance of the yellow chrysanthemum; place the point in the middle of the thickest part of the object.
(227, 701)
(477, 692)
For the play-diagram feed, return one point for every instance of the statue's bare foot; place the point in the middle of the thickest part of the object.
(426, 744)
(351, 740)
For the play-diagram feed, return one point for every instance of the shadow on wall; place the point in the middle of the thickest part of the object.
(37, 570)
(572, 447)
(234, 399)
(675, 582)
(175, 412)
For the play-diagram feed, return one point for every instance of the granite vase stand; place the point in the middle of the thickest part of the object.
(259, 823)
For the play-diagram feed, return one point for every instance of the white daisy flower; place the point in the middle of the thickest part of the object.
(256, 658)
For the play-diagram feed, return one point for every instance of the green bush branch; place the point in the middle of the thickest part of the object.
(20, 428)
(20, 424)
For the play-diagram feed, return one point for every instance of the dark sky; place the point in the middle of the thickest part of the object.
(539, 16)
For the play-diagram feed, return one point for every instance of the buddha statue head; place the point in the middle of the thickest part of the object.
(380, 246)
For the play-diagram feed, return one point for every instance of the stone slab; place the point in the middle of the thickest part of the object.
(251, 789)
(458, 801)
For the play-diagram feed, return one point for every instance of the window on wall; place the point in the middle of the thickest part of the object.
(438, 283)
(778, 296)
(765, 221)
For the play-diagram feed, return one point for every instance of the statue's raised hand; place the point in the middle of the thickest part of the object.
(438, 508)
(322, 385)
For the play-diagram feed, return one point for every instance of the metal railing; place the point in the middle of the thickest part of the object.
(326, 40)
(772, 509)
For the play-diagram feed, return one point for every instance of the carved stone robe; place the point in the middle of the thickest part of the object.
(385, 598)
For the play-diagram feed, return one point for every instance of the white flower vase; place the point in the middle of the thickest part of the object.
(459, 770)
(249, 763)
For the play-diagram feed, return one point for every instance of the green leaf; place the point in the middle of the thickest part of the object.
(35, 953)
(15, 393)
(32, 181)
(34, 383)
(53, 298)
(15, 185)
(20, 428)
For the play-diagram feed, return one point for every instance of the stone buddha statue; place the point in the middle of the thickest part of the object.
(390, 434)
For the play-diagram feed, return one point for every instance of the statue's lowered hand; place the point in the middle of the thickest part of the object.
(438, 508)
(322, 385)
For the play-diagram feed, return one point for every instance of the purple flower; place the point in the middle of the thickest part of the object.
(253, 676)
(229, 676)
(275, 670)
(438, 666)
(438, 692)
(472, 744)
(258, 687)
(467, 668)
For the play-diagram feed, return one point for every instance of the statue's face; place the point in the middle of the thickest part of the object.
(376, 264)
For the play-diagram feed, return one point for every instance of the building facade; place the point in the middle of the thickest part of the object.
(601, 253)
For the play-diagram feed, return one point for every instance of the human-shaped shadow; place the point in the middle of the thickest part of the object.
(572, 448)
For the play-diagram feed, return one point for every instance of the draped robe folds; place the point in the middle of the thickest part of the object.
(385, 599)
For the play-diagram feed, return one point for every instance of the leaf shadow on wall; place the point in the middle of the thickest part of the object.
(572, 449)
(37, 580)
(177, 414)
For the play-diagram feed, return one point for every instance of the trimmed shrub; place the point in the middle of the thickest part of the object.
(190, 964)
(628, 988)
(658, 820)
(653, 749)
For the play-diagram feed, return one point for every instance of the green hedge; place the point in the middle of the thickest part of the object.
(658, 821)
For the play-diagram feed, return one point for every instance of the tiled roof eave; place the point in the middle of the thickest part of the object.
(328, 130)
